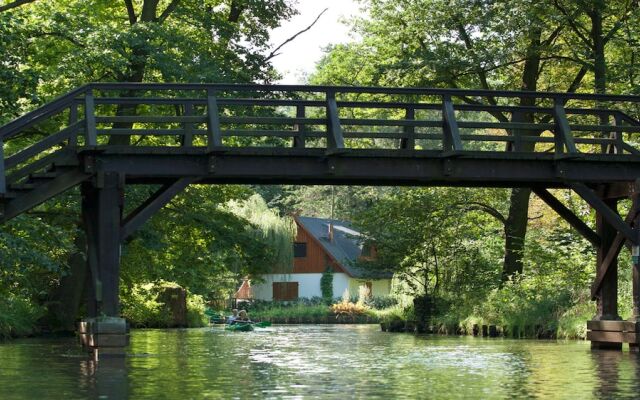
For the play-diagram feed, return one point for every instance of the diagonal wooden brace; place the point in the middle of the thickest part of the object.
(608, 214)
(612, 254)
(568, 216)
(154, 203)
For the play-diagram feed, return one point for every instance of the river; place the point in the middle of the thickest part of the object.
(316, 361)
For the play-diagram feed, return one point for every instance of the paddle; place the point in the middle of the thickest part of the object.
(263, 324)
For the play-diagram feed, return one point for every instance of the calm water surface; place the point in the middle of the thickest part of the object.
(316, 361)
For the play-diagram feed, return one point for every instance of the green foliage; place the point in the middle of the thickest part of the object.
(392, 313)
(436, 240)
(18, 316)
(294, 311)
(50, 47)
(326, 284)
(276, 232)
(142, 308)
(196, 311)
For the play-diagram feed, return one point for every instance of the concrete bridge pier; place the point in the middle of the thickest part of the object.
(103, 332)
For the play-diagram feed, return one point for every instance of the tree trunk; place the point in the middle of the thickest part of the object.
(515, 232)
(67, 297)
(517, 219)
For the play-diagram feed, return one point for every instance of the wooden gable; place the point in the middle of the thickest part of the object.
(316, 259)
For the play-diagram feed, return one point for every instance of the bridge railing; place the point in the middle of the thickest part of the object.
(337, 119)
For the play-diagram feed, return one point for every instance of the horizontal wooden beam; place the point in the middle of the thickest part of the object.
(227, 87)
(362, 166)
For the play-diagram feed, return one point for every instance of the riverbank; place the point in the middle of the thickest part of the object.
(567, 323)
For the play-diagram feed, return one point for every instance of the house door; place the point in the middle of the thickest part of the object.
(285, 291)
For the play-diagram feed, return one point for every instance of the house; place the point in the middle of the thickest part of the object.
(320, 243)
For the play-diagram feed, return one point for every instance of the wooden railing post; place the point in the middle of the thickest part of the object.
(408, 141)
(91, 136)
(214, 135)
(451, 133)
(3, 179)
(335, 140)
(618, 146)
(300, 139)
(516, 144)
(563, 135)
(73, 118)
(187, 138)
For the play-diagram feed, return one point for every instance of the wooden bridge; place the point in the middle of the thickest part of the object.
(102, 137)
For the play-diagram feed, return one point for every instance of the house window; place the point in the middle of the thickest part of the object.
(369, 286)
(285, 291)
(299, 250)
(368, 252)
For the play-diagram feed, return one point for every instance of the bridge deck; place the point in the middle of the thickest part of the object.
(360, 166)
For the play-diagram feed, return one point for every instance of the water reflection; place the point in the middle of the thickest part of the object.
(607, 368)
(105, 379)
(317, 361)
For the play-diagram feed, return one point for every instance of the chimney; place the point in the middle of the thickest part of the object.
(331, 232)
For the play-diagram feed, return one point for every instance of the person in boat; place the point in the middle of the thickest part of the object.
(243, 317)
(232, 318)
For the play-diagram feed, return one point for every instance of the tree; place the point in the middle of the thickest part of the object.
(54, 46)
(434, 242)
(489, 45)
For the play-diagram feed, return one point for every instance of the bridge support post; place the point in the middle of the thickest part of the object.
(633, 325)
(103, 332)
(605, 330)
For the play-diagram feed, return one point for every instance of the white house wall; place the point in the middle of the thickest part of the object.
(379, 287)
(308, 285)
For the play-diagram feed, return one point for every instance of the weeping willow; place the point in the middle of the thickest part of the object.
(278, 232)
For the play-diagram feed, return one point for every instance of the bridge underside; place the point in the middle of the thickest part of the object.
(360, 167)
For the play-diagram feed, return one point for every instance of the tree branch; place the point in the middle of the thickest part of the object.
(482, 75)
(496, 114)
(235, 12)
(15, 4)
(59, 35)
(572, 88)
(131, 12)
(275, 53)
(167, 11)
(619, 23)
(574, 26)
(479, 206)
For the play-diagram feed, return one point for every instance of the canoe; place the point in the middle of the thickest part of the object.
(239, 328)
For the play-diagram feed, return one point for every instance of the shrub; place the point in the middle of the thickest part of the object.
(142, 308)
(18, 316)
(381, 302)
(291, 311)
(347, 307)
(326, 284)
(196, 311)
